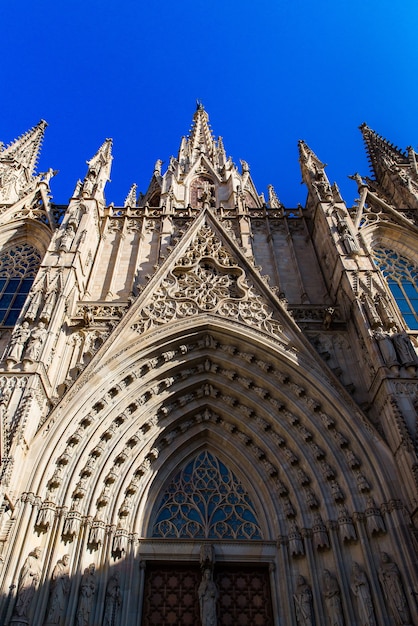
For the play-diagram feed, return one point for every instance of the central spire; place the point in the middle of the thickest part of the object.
(202, 176)
(201, 141)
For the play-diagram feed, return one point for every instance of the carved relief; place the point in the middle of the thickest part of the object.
(304, 603)
(207, 279)
(361, 590)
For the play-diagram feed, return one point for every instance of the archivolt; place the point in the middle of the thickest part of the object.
(305, 456)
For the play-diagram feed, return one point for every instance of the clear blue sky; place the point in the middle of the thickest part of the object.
(268, 72)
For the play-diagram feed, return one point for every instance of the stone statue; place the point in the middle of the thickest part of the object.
(67, 238)
(29, 578)
(404, 348)
(48, 306)
(332, 596)
(58, 591)
(86, 595)
(35, 303)
(390, 579)
(112, 601)
(360, 588)
(386, 347)
(208, 595)
(303, 603)
(19, 338)
(157, 167)
(37, 338)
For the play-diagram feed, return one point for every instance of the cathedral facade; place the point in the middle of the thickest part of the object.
(208, 401)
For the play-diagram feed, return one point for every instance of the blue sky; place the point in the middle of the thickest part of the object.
(268, 73)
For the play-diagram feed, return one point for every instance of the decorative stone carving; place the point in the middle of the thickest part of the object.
(304, 603)
(386, 347)
(19, 338)
(393, 589)
(404, 349)
(113, 600)
(361, 590)
(35, 343)
(207, 279)
(46, 516)
(29, 578)
(295, 540)
(86, 596)
(72, 524)
(58, 591)
(97, 533)
(374, 520)
(332, 595)
(320, 535)
(208, 595)
(347, 530)
(120, 542)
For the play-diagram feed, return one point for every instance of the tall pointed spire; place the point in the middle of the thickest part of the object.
(381, 153)
(25, 150)
(18, 163)
(98, 172)
(313, 173)
(201, 174)
(201, 138)
(395, 171)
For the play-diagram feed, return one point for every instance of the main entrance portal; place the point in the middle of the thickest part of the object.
(171, 595)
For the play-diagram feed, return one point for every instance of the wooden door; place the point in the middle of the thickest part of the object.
(171, 595)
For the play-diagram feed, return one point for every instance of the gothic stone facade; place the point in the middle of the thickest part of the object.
(208, 400)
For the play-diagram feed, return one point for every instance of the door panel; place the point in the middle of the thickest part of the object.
(171, 595)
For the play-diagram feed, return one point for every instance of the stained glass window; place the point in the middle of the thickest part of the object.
(402, 278)
(205, 500)
(18, 267)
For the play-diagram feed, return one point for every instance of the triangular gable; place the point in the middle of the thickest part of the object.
(208, 275)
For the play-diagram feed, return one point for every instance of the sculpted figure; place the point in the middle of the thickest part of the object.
(303, 603)
(360, 588)
(208, 595)
(67, 238)
(386, 347)
(19, 338)
(58, 591)
(112, 602)
(86, 595)
(37, 338)
(405, 349)
(34, 305)
(390, 579)
(48, 306)
(332, 596)
(29, 577)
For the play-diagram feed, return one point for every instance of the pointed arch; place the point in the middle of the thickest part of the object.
(204, 500)
(216, 388)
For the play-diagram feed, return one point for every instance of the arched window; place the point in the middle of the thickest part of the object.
(18, 268)
(402, 278)
(205, 500)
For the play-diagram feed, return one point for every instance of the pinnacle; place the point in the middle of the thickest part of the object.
(306, 154)
(380, 151)
(26, 148)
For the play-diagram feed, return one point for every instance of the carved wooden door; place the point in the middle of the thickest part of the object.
(171, 596)
(244, 596)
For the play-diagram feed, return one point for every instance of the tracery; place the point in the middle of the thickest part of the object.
(401, 275)
(18, 268)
